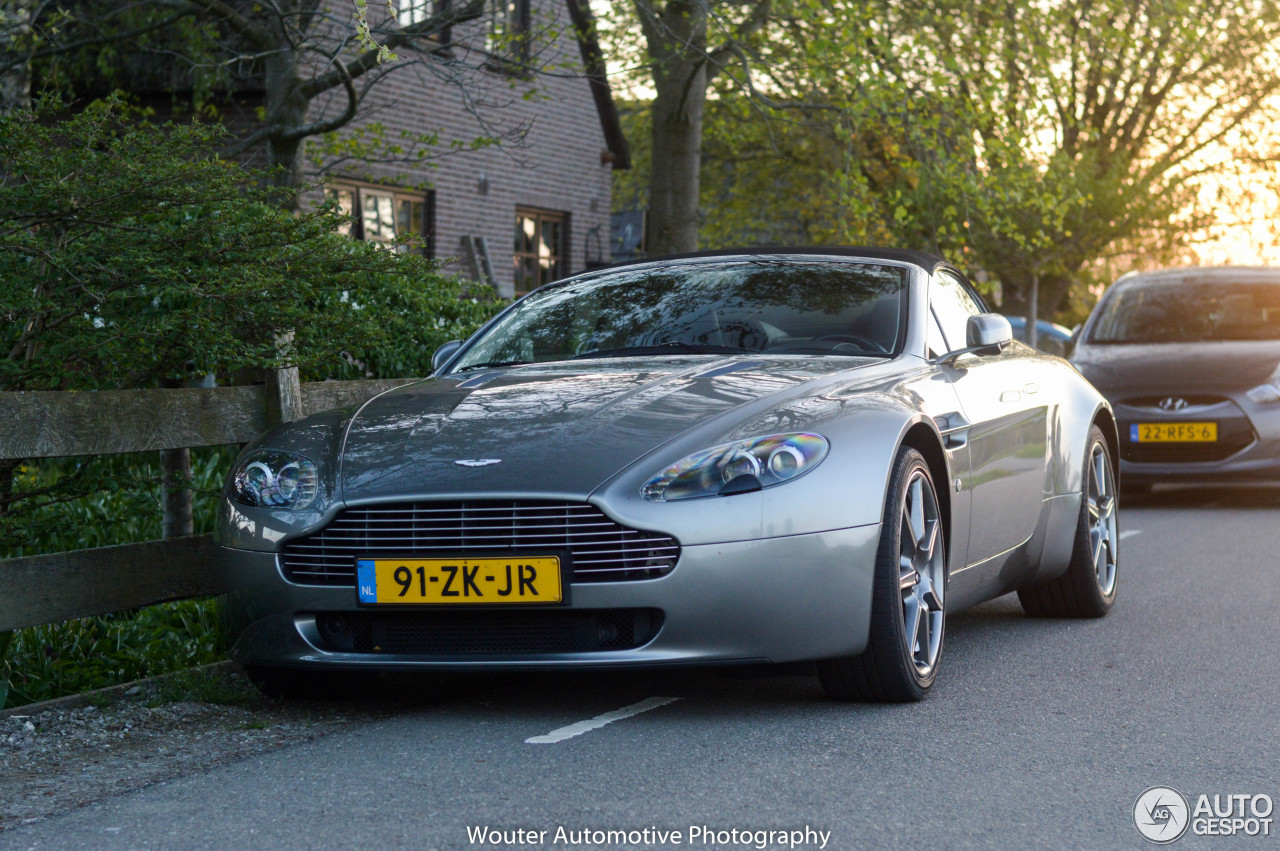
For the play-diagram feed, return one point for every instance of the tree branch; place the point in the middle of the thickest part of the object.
(253, 33)
(405, 37)
(754, 22)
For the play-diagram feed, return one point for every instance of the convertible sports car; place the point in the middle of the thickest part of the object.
(773, 456)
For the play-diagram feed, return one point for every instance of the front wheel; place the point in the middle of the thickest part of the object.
(908, 614)
(1088, 588)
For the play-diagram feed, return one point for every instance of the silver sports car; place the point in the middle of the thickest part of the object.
(798, 455)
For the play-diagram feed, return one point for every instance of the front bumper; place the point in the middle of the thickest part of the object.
(1248, 446)
(784, 599)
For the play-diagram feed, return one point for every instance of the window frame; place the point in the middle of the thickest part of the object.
(421, 10)
(540, 216)
(425, 243)
(517, 15)
(965, 287)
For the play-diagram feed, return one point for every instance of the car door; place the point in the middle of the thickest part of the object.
(1007, 432)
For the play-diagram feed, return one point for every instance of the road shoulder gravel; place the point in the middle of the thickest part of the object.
(67, 754)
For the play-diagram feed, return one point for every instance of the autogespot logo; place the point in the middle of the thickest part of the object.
(1161, 814)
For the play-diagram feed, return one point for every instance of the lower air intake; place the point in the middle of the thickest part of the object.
(472, 633)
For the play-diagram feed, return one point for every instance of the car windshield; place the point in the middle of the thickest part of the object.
(1161, 312)
(765, 305)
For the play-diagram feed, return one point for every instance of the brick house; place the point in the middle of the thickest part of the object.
(529, 73)
(516, 214)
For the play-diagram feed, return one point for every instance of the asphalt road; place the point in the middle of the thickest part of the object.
(1037, 734)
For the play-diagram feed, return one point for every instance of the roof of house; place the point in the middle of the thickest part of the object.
(593, 64)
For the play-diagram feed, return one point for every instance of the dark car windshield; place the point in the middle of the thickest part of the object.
(765, 305)
(1186, 311)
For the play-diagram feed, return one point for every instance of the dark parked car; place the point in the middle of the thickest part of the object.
(1051, 337)
(1190, 360)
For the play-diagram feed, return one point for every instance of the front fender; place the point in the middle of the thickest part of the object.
(847, 489)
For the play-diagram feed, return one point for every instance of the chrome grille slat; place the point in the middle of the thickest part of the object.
(437, 525)
(601, 549)
(390, 543)
(584, 509)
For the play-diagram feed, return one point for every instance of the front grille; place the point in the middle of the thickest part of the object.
(1235, 432)
(601, 550)
(495, 633)
(1192, 400)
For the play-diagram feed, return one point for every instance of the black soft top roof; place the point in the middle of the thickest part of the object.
(902, 255)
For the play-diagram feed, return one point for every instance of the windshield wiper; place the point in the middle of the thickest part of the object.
(492, 364)
(664, 349)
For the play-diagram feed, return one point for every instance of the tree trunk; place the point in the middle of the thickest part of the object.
(286, 108)
(15, 25)
(1016, 293)
(677, 42)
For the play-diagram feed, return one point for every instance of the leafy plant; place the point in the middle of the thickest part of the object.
(131, 255)
(50, 661)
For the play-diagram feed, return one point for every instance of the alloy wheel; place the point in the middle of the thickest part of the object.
(921, 573)
(1103, 535)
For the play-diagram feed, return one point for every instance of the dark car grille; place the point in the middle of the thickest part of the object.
(601, 550)
(476, 633)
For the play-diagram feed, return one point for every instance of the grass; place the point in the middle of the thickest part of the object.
(216, 687)
(82, 655)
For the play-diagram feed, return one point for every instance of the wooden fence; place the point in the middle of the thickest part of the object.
(56, 587)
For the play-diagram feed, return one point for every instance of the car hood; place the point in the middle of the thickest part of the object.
(1121, 370)
(561, 428)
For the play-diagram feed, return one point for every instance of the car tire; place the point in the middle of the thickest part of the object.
(908, 615)
(1088, 588)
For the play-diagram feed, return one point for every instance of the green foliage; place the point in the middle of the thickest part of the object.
(1024, 140)
(103, 501)
(130, 254)
(122, 506)
(50, 661)
(204, 686)
(414, 318)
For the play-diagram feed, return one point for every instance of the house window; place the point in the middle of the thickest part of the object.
(540, 249)
(509, 25)
(416, 11)
(381, 214)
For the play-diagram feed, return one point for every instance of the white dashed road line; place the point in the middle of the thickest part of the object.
(1129, 533)
(599, 721)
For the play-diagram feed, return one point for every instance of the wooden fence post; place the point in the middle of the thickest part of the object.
(284, 389)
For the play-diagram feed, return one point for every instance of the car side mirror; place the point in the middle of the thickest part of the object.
(985, 334)
(442, 355)
(988, 333)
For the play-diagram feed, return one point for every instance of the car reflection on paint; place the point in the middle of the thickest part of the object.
(774, 456)
(1050, 337)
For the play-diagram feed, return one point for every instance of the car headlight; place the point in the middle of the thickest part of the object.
(745, 465)
(269, 478)
(1264, 393)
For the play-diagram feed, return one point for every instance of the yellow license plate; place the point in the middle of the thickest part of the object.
(470, 581)
(1173, 432)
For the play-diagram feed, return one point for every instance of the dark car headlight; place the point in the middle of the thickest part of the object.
(270, 478)
(744, 465)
